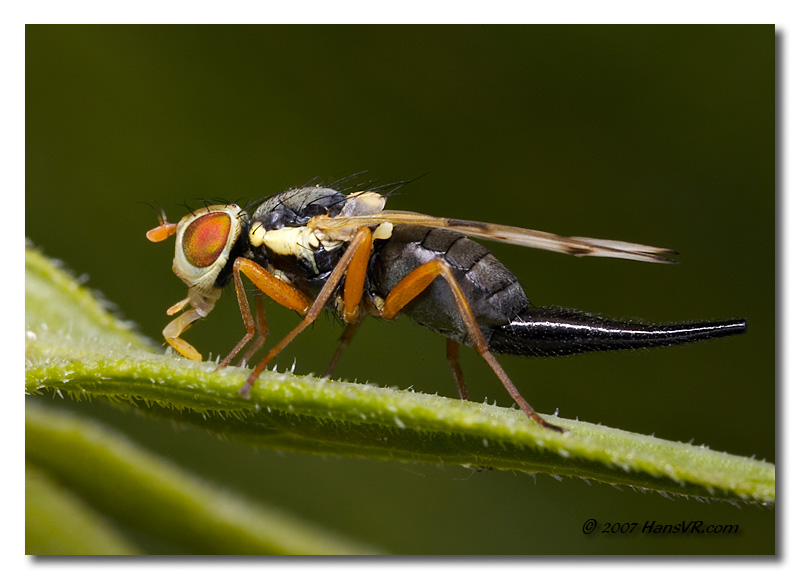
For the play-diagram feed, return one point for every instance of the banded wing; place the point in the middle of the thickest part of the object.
(577, 246)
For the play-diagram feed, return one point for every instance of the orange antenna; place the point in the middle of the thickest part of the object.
(164, 230)
(161, 232)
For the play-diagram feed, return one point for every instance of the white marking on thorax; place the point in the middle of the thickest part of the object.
(297, 241)
(383, 231)
(363, 203)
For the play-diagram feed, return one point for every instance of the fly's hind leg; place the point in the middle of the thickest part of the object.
(414, 284)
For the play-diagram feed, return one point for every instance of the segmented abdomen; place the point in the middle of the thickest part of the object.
(493, 292)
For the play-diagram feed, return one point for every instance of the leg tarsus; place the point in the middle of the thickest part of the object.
(179, 325)
(244, 391)
(512, 390)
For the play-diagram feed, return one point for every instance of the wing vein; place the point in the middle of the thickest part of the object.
(577, 246)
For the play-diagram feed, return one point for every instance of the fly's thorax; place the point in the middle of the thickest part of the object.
(299, 233)
(303, 243)
(279, 226)
(311, 246)
(203, 245)
(294, 207)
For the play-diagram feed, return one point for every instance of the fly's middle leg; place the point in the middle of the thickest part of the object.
(261, 328)
(455, 367)
(352, 295)
(353, 265)
(414, 284)
(344, 341)
(269, 285)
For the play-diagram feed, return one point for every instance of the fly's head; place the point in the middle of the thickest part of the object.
(204, 240)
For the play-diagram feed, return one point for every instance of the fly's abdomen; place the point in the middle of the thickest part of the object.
(493, 292)
(561, 332)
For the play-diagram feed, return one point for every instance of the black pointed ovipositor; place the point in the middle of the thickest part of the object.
(550, 331)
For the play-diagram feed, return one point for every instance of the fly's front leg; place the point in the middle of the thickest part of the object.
(179, 325)
(354, 263)
(266, 283)
(201, 306)
(414, 284)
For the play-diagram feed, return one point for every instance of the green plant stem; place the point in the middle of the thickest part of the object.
(103, 359)
(148, 494)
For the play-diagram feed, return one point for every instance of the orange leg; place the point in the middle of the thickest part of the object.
(414, 284)
(353, 292)
(354, 264)
(261, 328)
(356, 275)
(275, 289)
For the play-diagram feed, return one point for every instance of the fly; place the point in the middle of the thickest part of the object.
(313, 248)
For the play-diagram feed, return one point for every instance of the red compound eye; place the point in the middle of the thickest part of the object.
(205, 238)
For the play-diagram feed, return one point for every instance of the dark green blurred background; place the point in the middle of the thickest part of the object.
(657, 135)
